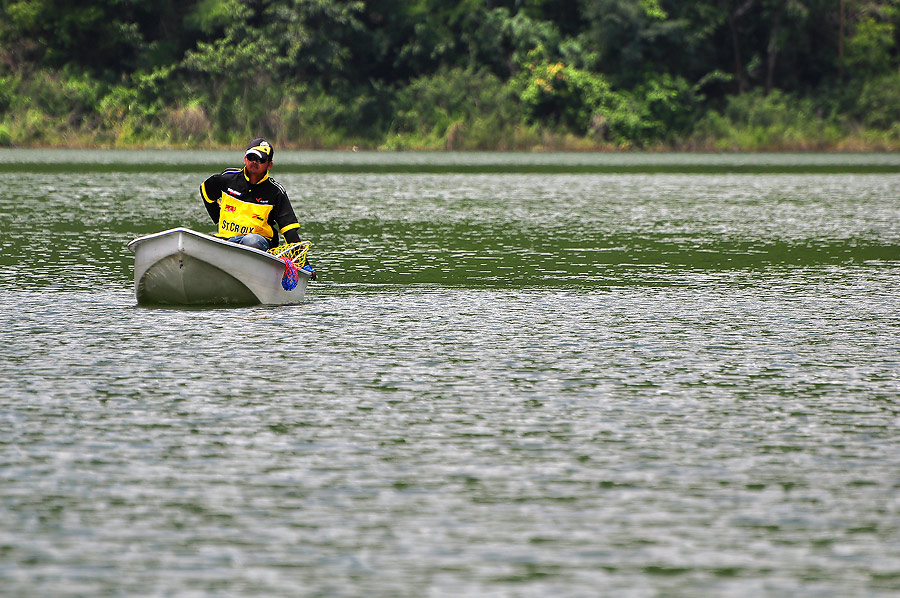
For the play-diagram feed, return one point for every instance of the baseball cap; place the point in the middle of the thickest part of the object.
(261, 148)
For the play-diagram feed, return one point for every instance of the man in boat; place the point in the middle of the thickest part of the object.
(250, 207)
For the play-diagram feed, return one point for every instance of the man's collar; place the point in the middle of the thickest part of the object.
(246, 178)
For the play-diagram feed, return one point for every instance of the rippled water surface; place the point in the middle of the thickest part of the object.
(631, 377)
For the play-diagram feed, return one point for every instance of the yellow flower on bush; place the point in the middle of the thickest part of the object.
(565, 95)
(554, 70)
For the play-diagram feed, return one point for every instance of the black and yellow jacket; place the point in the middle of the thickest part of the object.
(239, 208)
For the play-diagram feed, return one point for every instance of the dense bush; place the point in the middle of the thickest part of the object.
(757, 121)
(878, 104)
(454, 109)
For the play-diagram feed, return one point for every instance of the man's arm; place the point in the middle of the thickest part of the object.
(291, 233)
(210, 193)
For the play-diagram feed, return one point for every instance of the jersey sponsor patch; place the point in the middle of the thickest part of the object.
(240, 218)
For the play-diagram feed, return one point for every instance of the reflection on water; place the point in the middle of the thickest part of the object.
(503, 385)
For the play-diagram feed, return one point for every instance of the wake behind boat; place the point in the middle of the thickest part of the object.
(183, 267)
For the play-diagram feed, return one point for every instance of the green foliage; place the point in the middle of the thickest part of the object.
(653, 10)
(8, 86)
(500, 41)
(869, 49)
(585, 104)
(474, 74)
(316, 118)
(628, 36)
(671, 105)
(878, 105)
(212, 16)
(276, 41)
(92, 35)
(456, 109)
(64, 95)
(562, 95)
(756, 121)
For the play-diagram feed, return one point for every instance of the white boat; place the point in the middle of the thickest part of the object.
(183, 267)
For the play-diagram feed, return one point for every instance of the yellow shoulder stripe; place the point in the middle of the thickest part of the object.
(205, 196)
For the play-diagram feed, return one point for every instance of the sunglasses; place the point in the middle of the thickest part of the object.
(255, 158)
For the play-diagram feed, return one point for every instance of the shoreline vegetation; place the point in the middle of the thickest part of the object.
(475, 75)
(760, 126)
(551, 145)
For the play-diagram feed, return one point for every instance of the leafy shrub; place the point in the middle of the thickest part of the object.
(669, 106)
(878, 105)
(454, 108)
(311, 118)
(581, 102)
(62, 94)
(868, 51)
(756, 121)
(556, 94)
(7, 92)
(188, 123)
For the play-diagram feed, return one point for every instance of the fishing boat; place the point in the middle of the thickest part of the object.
(183, 267)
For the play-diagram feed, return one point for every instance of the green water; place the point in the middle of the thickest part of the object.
(531, 375)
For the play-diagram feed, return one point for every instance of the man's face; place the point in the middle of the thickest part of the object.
(254, 166)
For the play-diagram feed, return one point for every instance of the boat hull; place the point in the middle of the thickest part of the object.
(184, 267)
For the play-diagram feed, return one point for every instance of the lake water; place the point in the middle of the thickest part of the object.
(519, 375)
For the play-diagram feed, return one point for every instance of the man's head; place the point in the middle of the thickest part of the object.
(258, 159)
